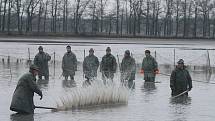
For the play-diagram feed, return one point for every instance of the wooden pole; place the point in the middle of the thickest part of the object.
(180, 94)
(83, 61)
(42, 107)
(54, 63)
(209, 62)
(29, 57)
(118, 63)
(174, 57)
(8, 59)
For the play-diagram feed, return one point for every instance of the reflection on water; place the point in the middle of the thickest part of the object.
(180, 108)
(21, 117)
(148, 87)
(208, 75)
(149, 101)
(68, 83)
(184, 100)
(42, 83)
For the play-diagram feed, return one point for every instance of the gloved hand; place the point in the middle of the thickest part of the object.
(189, 89)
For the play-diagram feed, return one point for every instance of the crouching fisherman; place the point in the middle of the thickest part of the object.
(22, 101)
(180, 80)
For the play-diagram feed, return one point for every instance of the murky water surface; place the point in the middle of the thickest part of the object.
(147, 102)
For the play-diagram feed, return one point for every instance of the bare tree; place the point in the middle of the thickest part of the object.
(41, 7)
(45, 15)
(117, 16)
(139, 15)
(213, 15)
(126, 16)
(185, 17)
(204, 9)
(31, 5)
(18, 7)
(213, 26)
(168, 18)
(152, 30)
(80, 8)
(195, 20)
(122, 18)
(130, 15)
(178, 2)
(110, 23)
(1, 1)
(21, 17)
(55, 16)
(77, 16)
(65, 15)
(93, 8)
(4, 15)
(158, 11)
(135, 8)
(147, 17)
(9, 16)
(189, 17)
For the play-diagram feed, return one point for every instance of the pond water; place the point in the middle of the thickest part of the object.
(147, 102)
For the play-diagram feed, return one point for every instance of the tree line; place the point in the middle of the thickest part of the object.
(150, 18)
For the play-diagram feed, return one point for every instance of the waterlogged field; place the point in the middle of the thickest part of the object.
(146, 102)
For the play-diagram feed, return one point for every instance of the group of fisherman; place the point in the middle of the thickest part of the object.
(22, 101)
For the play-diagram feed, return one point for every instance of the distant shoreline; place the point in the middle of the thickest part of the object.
(98, 35)
(94, 39)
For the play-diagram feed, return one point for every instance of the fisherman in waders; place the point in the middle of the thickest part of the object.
(90, 66)
(180, 80)
(69, 64)
(22, 100)
(41, 60)
(108, 66)
(149, 67)
(128, 69)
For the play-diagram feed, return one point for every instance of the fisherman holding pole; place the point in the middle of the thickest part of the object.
(22, 101)
(180, 80)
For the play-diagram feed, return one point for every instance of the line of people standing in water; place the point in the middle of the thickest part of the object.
(22, 100)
